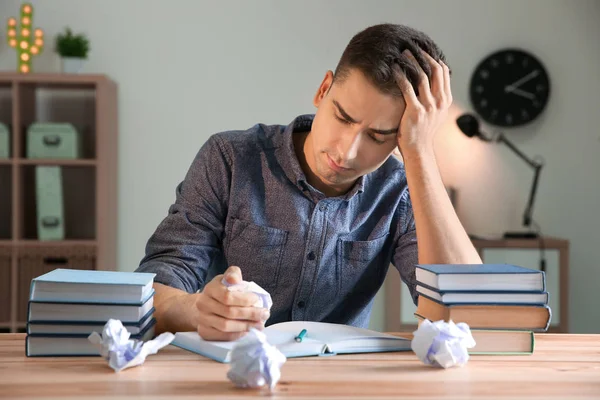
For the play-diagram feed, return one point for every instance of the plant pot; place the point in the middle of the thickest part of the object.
(72, 65)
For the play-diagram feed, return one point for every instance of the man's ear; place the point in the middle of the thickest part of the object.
(323, 88)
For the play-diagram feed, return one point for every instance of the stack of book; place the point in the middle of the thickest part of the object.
(67, 305)
(504, 305)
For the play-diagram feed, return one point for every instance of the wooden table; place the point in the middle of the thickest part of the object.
(563, 366)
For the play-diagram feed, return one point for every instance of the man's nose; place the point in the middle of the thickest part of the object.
(348, 147)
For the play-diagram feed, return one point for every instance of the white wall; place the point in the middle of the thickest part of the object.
(186, 69)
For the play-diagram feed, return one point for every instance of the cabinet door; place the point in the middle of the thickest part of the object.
(530, 258)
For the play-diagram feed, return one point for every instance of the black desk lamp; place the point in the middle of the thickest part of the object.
(469, 124)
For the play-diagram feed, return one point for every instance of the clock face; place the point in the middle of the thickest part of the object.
(509, 88)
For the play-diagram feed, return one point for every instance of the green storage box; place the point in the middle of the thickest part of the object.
(52, 140)
(4, 141)
(50, 209)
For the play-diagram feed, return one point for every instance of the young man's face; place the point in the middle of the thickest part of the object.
(353, 132)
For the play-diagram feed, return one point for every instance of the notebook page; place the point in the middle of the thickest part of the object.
(326, 332)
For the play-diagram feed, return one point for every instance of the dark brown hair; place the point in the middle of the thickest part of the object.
(377, 52)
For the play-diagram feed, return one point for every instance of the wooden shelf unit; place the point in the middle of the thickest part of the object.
(89, 102)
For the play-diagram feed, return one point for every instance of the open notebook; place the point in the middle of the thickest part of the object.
(321, 339)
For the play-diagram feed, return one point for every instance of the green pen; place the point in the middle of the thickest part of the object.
(300, 336)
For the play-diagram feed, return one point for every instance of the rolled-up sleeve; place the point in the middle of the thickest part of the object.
(406, 255)
(188, 241)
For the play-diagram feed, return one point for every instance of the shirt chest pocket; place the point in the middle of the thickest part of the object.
(360, 264)
(257, 250)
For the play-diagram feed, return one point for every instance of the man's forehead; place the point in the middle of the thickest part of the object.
(373, 105)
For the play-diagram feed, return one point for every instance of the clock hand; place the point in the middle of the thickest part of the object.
(523, 93)
(521, 81)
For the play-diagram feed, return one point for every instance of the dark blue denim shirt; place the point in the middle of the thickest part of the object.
(245, 201)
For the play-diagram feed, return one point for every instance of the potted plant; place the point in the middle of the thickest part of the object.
(73, 50)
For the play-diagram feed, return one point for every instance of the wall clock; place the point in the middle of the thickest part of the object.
(509, 88)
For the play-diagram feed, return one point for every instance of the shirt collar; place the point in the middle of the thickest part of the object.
(291, 165)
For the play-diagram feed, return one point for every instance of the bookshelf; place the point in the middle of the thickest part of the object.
(399, 307)
(89, 182)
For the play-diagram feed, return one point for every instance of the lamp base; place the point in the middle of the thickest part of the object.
(521, 235)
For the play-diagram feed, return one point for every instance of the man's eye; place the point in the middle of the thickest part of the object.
(342, 120)
(372, 136)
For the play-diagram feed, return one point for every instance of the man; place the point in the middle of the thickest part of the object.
(314, 212)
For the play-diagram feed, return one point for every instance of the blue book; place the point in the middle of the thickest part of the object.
(321, 339)
(73, 345)
(474, 297)
(480, 277)
(92, 313)
(85, 286)
(61, 328)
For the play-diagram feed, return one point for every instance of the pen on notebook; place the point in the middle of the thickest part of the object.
(300, 336)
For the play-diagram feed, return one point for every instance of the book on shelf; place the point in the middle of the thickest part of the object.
(322, 339)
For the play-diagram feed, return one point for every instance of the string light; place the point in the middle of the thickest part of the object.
(25, 45)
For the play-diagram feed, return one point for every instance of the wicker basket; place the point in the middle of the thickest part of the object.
(40, 260)
(5, 284)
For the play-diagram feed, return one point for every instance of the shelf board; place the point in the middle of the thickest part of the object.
(5, 161)
(55, 243)
(53, 79)
(5, 325)
(6, 243)
(79, 162)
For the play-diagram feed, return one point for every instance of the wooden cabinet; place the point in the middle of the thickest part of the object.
(399, 307)
(89, 183)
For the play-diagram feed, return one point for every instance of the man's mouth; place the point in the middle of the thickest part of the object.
(335, 166)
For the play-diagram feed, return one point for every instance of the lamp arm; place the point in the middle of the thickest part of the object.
(503, 139)
(529, 208)
(537, 169)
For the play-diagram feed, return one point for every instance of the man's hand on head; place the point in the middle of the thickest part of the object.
(426, 112)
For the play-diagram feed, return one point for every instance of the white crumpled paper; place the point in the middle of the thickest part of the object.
(255, 362)
(122, 352)
(264, 300)
(442, 344)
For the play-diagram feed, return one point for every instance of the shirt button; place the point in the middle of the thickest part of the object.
(301, 304)
(322, 207)
(311, 256)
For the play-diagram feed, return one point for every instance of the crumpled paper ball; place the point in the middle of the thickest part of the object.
(264, 298)
(122, 352)
(255, 362)
(442, 344)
